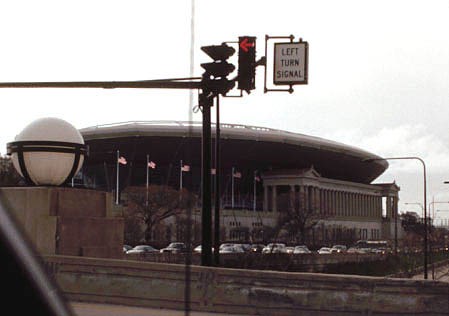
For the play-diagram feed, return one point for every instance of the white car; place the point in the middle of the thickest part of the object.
(198, 248)
(324, 251)
(175, 247)
(225, 245)
(142, 249)
(275, 248)
(301, 250)
(232, 249)
(338, 249)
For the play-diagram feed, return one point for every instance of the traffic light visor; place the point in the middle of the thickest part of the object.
(218, 52)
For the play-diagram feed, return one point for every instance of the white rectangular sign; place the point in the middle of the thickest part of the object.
(290, 63)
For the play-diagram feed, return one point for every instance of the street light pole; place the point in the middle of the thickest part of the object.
(424, 204)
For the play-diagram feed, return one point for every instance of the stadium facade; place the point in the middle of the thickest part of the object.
(264, 172)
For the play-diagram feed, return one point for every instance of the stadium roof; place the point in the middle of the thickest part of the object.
(269, 148)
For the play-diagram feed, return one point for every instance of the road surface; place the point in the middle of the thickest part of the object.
(94, 309)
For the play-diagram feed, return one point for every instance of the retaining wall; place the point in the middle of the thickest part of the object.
(243, 291)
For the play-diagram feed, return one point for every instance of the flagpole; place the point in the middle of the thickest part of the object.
(148, 177)
(180, 176)
(117, 183)
(254, 200)
(232, 189)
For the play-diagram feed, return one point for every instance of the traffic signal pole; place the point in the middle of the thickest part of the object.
(205, 103)
(217, 187)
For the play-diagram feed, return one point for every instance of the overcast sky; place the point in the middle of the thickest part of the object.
(378, 71)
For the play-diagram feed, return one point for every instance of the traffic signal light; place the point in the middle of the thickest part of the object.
(247, 63)
(215, 76)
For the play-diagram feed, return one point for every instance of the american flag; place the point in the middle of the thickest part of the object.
(237, 175)
(122, 160)
(185, 168)
(152, 165)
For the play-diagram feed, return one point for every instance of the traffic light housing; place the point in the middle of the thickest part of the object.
(247, 63)
(215, 79)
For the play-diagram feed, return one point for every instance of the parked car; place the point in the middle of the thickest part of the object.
(379, 251)
(246, 247)
(126, 248)
(353, 250)
(257, 248)
(301, 250)
(364, 250)
(358, 250)
(275, 248)
(324, 251)
(142, 249)
(197, 249)
(240, 247)
(175, 247)
(289, 250)
(225, 245)
(338, 249)
(232, 249)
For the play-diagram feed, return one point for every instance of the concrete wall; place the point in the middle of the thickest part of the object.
(244, 291)
(67, 221)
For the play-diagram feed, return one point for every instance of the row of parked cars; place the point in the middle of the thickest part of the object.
(179, 247)
(174, 247)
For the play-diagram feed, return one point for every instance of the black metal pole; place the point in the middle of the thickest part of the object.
(181, 83)
(206, 215)
(217, 187)
(425, 220)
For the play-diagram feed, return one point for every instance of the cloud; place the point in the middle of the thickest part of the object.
(402, 141)
(405, 141)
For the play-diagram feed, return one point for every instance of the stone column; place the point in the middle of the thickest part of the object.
(389, 210)
(332, 202)
(325, 202)
(321, 210)
(274, 198)
(359, 205)
(338, 203)
(265, 198)
(292, 197)
(362, 206)
(352, 203)
(317, 199)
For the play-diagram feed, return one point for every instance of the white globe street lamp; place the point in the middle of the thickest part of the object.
(49, 151)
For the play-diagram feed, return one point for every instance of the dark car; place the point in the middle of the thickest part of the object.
(175, 247)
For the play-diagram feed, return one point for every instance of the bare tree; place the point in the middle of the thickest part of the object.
(298, 220)
(149, 208)
(8, 174)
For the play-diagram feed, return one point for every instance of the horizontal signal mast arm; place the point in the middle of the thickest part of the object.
(144, 84)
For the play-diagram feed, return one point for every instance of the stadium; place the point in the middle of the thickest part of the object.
(263, 172)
